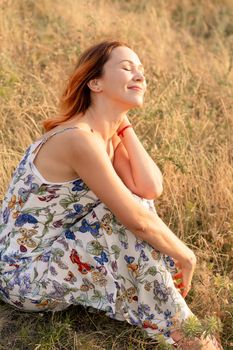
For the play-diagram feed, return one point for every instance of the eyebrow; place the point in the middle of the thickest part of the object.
(140, 65)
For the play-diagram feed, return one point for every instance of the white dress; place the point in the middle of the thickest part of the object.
(61, 246)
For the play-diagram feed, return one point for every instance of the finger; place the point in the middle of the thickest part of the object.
(185, 291)
(177, 275)
(187, 279)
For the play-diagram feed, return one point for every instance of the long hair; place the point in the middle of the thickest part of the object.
(76, 97)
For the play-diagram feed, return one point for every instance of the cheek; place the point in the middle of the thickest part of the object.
(116, 86)
(120, 79)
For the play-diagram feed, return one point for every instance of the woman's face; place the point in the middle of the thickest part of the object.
(123, 78)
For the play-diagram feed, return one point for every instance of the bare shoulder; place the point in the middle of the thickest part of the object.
(82, 140)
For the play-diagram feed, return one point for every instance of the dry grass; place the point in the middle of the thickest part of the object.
(186, 125)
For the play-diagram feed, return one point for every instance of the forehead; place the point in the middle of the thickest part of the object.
(123, 53)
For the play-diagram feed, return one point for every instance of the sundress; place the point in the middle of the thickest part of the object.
(61, 246)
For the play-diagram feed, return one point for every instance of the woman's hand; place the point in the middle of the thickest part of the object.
(185, 274)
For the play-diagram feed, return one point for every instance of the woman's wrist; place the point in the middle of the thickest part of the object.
(160, 236)
(124, 122)
(122, 130)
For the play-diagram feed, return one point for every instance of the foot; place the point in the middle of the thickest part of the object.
(199, 344)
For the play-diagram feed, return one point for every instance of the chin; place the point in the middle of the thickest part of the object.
(131, 103)
(136, 104)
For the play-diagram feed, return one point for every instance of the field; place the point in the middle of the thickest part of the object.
(186, 125)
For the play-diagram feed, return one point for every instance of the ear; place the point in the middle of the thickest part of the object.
(94, 85)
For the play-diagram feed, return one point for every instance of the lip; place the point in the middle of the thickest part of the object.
(137, 88)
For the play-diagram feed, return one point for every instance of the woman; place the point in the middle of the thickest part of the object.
(78, 223)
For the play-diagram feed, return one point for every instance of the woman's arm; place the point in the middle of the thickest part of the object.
(146, 176)
(89, 159)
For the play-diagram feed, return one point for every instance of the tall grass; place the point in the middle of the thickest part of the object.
(186, 125)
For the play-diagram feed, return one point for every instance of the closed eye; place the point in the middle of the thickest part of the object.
(129, 69)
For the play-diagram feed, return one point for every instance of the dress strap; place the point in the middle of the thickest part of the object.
(44, 139)
(39, 143)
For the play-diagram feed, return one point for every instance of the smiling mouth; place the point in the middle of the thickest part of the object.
(136, 89)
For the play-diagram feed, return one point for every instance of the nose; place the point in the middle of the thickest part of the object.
(139, 76)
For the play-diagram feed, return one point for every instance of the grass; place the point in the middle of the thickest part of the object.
(185, 124)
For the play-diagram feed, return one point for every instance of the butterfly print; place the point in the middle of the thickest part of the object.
(70, 277)
(144, 256)
(149, 324)
(92, 228)
(102, 259)
(84, 268)
(87, 285)
(134, 268)
(102, 269)
(25, 240)
(130, 294)
(129, 259)
(12, 202)
(105, 223)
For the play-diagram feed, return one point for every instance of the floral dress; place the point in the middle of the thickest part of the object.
(61, 246)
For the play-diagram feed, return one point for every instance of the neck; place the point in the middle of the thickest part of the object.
(104, 120)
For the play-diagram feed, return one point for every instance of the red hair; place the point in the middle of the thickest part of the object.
(76, 97)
